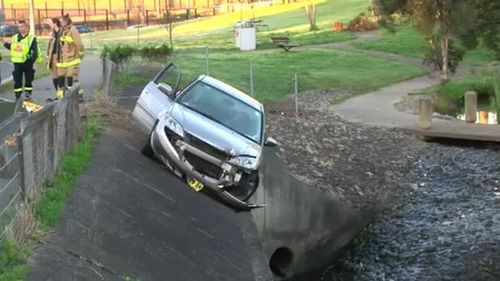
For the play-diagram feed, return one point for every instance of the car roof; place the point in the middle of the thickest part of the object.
(231, 91)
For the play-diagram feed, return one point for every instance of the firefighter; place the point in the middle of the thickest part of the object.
(24, 53)
(71, 48)
(53, 50)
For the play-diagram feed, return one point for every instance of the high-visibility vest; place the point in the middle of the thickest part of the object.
(20, 49)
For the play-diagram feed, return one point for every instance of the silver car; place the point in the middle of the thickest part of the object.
(209, 133)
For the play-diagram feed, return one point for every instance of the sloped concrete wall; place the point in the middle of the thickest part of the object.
(307, 220)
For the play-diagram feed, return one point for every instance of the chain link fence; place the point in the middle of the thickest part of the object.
(277, 89)
(31, 151)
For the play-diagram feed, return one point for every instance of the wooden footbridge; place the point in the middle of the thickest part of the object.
(475, 127)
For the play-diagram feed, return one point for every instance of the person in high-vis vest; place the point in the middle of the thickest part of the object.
(72, 49)
(24, 53)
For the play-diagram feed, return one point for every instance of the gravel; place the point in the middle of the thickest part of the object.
(356, 163)
(443, 225)
(441, 203)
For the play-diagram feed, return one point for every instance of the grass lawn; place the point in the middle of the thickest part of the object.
(217, 32)
(274, 69)
(407, 41)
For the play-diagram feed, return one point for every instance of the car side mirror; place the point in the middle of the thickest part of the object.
(270, 142)
(167, 90)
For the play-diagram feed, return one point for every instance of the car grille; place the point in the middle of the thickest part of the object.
(205, 147)
(203, 166)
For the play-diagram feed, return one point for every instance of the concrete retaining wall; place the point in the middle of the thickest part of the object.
(307, 223)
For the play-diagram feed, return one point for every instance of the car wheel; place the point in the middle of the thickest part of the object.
(247, 187)
(147, 150)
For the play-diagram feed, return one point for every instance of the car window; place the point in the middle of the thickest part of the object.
(224, 109)
(168, 75)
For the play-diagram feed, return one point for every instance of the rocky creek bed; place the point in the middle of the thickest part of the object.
(441, 203)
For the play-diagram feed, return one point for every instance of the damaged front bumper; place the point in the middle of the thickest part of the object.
(176, 160)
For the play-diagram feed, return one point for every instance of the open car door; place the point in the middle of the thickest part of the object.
(156, 97)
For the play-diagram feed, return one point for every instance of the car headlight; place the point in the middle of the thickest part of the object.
(173, 125)
(244, 162)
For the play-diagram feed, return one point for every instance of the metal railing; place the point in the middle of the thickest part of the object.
(31, 149)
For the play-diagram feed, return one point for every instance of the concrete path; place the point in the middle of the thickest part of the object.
(6, 71)
(377, 108)
(43, 88)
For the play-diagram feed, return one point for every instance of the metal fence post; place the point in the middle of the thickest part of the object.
(39, 23)
(138, 34)
(19, 139)
(251, 80)
(207, 60)
(296, 84)
(107, 19)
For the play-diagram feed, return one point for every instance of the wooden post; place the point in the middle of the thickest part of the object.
(470, 107)
(425, 113)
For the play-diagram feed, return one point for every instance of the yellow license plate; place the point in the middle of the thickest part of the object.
(196, 185)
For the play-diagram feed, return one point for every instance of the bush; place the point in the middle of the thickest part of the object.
(122, 53)
(451, 94)
(154, 51)
(118, 53)
(362, 23)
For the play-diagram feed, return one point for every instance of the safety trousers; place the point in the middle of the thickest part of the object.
(20, 70)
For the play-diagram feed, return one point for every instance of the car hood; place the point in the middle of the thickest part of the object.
(214, 133)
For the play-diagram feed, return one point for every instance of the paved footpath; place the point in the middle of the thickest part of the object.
(43, 88)
(377, 108)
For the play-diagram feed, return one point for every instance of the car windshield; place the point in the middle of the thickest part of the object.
(224, 109)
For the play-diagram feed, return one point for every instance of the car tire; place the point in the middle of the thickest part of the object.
(247, 186)
(147, 150)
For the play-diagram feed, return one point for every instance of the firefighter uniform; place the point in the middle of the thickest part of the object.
(24, 53)
(69, 58)
(53, 55)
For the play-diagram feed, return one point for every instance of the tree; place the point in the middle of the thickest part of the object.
(311, 15)
(438, 21)
(487, 25)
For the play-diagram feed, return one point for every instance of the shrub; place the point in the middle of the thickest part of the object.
(122, 53)
(362, 23)
(154, 51)
(118, 53)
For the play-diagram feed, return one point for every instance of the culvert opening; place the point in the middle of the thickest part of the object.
(280, 261)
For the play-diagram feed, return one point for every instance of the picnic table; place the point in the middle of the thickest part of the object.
(284, 42)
